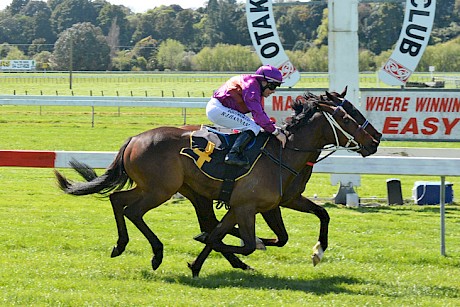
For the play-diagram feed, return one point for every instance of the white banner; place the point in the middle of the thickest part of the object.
(414, 37)
(399, 115)
(403, 115)
(262, 28)
(17, 65)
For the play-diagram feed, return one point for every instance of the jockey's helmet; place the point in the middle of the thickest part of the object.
(270, 74)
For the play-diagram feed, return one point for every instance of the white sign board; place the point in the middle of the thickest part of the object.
(262, 28)
(399, 115)
(414, 37)
(418, 115)
(17, 65)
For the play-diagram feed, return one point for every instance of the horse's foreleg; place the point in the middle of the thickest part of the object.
(119, 200)
(208, 221)
(245, 217)
(274, 220)
(303, 204)
(215, 241)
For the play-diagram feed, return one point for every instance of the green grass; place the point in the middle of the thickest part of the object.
(55, 249)
(153, 84)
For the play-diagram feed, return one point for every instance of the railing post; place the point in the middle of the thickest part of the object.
(442, 196)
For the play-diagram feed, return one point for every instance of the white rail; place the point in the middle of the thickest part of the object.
(104, 101)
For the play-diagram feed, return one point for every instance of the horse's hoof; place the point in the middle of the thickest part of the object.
(249, 268)
(156, 263)
(318, 253)
(195, 271)
(116, 251)
(315, 258)
(202, 237)
(259, 244)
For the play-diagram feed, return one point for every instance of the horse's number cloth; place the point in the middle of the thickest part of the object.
(209, 147)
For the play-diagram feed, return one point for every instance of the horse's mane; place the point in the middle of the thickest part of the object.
(304, 107)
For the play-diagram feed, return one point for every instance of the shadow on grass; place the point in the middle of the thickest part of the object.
(254, 280)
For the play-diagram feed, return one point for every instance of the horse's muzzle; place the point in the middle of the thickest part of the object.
(367, 150)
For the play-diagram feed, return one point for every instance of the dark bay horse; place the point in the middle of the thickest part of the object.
(293, 199)
(152, 161)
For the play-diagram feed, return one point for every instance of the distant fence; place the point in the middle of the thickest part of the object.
(192, 77)
(109, 101)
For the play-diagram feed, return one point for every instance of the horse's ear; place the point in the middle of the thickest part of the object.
(329, 96)
(344, 92)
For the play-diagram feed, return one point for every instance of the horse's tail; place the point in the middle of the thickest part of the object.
(114, 178)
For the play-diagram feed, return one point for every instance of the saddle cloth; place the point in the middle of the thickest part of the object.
(208, 148)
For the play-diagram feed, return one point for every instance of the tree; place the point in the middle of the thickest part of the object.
(226, 58)
(186, 30)
(40, 15)
(111, 16)
(90, 50)
(211, 32)
(146, 49)
(171, 55)
(16, 6)
(366, 61)
(444, 56)
(12, 53)
(380, 30)
(43, 60)
(70, 12)
(298, 23)
(17, 29)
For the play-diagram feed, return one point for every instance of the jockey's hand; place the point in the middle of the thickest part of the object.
(282, 138)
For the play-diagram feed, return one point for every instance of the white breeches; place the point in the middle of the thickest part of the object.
(229, 118)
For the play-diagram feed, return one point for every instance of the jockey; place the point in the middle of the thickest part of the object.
(238, 96)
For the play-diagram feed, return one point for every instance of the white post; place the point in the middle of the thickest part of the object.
(343, 48)
(442, 196)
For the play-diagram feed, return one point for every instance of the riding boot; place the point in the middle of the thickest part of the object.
(236, 156)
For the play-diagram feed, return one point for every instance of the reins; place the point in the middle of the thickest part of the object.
(333, 148)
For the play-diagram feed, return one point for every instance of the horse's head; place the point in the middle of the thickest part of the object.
(341, 130)
(339, 100)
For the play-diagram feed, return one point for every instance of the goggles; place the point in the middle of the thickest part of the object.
(273, 85)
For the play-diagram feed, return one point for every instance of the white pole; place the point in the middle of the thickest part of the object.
(343, 48)
(443, 215)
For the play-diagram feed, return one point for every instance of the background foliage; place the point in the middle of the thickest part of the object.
(33, 29)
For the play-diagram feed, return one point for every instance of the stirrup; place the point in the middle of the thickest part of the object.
(233, 159)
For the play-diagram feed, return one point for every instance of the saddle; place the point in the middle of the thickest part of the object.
(208, 148)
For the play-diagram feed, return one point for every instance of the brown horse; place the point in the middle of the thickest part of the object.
(152, 161)
(293, 199)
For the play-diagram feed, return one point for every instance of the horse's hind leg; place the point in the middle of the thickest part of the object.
(135, 213)
(119, 201)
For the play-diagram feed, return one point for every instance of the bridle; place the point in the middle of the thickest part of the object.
(335, 129)
(335, 126)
